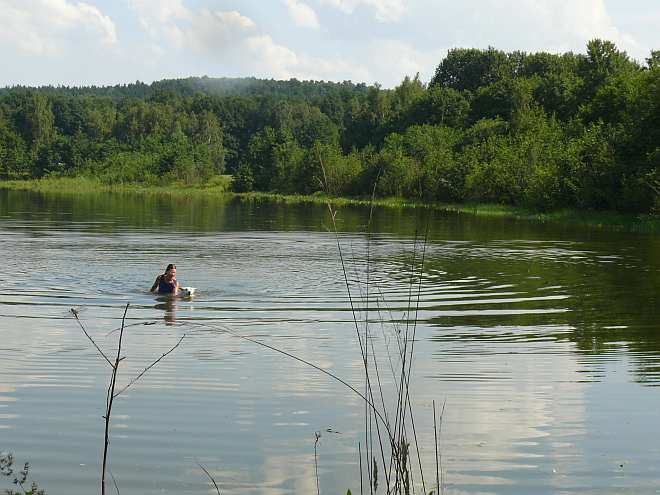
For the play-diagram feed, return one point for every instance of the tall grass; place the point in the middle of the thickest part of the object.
(219, 184)
(391, 445)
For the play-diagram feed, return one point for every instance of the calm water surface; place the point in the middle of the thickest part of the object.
(543, 341)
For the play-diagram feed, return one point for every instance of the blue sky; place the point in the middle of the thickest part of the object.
(117, 41)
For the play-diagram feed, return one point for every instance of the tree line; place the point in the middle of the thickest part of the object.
(540, 130)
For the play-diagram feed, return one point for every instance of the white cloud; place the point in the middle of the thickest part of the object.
(391, 60)
(216, 32)
(227, 40)
(204, 31)
(44, 27)
(229, 43)
(271, 59)
(160, 10)
(549, 25)
(234, 45)
(386, 10)
(158, 17)
(232, 41)
(331, 69)
(302, 14)
(93, 20)
(386, 39)
(586, 20)
(385, 61)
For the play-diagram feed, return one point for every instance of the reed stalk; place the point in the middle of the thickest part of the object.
(111, 394)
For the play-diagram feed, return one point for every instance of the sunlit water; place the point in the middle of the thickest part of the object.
(542, 343)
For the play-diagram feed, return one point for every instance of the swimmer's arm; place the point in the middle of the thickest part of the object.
(153, 287)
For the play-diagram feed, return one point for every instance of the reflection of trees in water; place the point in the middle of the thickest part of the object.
(617, 307)
(612, 304)
(217, 213)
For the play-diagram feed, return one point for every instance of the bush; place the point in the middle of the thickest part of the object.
(18, 479)
(243, 179)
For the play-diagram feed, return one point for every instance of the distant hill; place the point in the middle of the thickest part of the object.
(223, 86)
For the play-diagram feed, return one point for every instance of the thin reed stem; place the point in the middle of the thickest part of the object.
(110, 399)
(412, 348)
(141, 374)
(217, 488)
(228, 331)
(363, 346)
(437, 460)
(114, 481)
(76, 315)
(442, 476)
(361, 476)
(316, 462)
(111, 395)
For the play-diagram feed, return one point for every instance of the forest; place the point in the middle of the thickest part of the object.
(538, 130)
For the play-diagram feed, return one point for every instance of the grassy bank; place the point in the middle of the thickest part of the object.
(604, 220)
(218, 185)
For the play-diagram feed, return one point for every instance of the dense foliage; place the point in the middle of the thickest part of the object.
(539, 130)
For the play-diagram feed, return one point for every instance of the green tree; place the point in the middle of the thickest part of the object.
(368, 118)
(14, 161)
(594, 178)
(259, 161)
(206, 133)
(471, 68)
(402, 101)
(558, 82)
(440, 106)
(306, 123)
(603, 61)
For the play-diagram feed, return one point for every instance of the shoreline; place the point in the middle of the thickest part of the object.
(600, 220)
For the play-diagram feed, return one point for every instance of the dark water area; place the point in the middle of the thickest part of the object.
(542, 341)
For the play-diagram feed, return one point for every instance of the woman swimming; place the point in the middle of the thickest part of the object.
(166, 282)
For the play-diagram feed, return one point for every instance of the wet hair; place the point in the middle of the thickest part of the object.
(169, 267)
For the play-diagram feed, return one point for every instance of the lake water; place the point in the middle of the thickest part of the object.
(541, 341)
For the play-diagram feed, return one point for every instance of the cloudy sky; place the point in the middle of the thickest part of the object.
(117, 41)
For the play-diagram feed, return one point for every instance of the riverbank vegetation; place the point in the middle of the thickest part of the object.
(219, 189)
(18, 477)
(536, 131)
